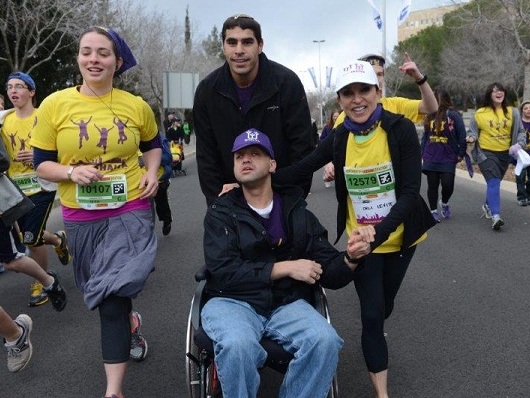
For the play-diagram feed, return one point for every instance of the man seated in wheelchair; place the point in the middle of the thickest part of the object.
(264, 253)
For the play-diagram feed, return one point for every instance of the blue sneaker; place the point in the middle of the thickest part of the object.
(436, 216)
(446, 210)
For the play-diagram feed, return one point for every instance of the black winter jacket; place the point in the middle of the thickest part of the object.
(278, 108)
(410, 208)
(239, 255)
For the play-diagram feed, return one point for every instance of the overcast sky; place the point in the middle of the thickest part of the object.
(290, 26)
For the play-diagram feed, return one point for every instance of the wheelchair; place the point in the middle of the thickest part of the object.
(200, 367)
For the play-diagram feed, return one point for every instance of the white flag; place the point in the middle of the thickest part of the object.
(376, 15)
(404, 12)
(312, 73)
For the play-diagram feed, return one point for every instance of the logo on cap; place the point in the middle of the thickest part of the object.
(253, 137)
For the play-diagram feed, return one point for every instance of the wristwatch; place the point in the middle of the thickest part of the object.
(349, 259)
(69, 172)
(422, 80)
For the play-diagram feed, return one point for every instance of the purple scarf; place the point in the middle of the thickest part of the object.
(366, 127)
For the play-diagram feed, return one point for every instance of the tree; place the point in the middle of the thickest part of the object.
(213, 45)
(500, 33)
(425, 49)
(159, 47)
(37, 37)
(468, 69)
(187, 32)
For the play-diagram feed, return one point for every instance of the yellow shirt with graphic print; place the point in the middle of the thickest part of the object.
(495, 129)
(398, 105)
(104, 132)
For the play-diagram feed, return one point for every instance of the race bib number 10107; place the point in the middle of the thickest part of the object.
(109, 193)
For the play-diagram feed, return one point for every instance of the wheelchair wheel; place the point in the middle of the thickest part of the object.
(192, 364)
(334, 390)
(201, 374)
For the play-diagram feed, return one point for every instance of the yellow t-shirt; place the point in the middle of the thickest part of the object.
(16, 134)
(370, 182)
(495, 129)
(104, 132)
(160, 171)
(371, 186)
(399, 105)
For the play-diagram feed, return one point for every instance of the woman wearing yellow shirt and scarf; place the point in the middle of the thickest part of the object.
(377, 161)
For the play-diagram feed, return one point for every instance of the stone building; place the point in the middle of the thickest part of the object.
(421, 19)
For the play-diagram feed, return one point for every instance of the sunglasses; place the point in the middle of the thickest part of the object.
(238, 16)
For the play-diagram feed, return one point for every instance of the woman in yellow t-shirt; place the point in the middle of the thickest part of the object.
(497, 131)
(87, 141)
(377, 161)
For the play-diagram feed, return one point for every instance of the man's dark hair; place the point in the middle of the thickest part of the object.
(242, 21)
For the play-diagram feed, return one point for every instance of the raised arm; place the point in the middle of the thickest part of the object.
(428, 103)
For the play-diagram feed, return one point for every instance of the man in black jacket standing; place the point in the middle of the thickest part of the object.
(248, 91)
(264, 251)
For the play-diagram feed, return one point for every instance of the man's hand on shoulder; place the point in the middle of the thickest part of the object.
(228, 188)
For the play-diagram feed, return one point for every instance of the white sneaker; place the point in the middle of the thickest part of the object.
(19, 354)
(496, 222)
(486, 210)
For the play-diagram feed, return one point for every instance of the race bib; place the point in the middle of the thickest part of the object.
(372, 191)
(28, 183)
(109, 193)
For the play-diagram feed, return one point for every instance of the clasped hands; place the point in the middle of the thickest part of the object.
(358, 244)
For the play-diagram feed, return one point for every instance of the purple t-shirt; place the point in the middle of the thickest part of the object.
(245, 95)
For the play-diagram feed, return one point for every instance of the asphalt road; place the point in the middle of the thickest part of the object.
(460, 327)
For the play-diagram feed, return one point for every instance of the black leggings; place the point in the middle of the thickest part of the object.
(377, 284)
(434, 179)
(163, 210)
(115, 329)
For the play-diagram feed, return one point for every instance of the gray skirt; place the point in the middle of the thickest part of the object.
(112, 256)
(495, 165)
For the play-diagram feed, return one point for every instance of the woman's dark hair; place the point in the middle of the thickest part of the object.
(101, 31)
(242, 21)
(444, 104)
(331, 122)
(488, 102)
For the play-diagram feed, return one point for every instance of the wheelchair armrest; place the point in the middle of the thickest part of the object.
(320, 302)
(201, 274)
(196, 305)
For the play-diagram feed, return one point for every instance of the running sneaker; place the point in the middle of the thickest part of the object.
(523, 202)
(19, 354)
(37, 295)
(486, 210)
(436, 216)
(496, 222)
(138, 343)
(62, 250)
(446, 210)
(56, 293)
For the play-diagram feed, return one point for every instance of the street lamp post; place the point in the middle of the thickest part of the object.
(321, 106)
